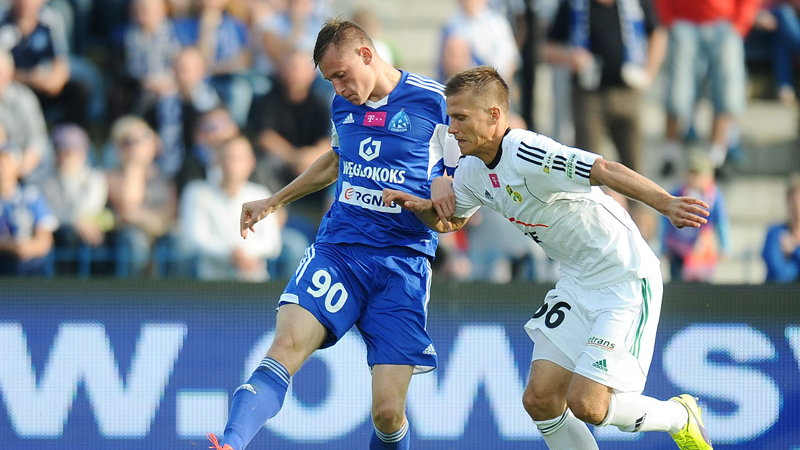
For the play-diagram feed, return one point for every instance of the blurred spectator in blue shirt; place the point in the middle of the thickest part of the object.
(782, 245)
(489, 34)
(26, 224)
(781, 18)
(223, 42)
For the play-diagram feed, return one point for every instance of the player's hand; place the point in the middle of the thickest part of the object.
(443, 198)
(687, 212)
(252, 212)
(405, 200)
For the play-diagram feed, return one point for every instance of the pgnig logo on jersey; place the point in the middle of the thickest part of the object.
(365, 198)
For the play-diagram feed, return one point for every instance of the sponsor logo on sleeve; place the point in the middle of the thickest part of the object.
(571, 166)
(547, 164)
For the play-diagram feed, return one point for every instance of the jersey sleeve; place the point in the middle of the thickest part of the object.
(443, 144)
(334, 138)
(467, 201)
(554, 166)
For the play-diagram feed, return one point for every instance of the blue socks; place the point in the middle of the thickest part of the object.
(399, 440)
(255, 402)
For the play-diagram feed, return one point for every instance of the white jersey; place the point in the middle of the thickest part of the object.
(543, 188)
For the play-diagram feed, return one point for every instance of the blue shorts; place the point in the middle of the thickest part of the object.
(384, 292)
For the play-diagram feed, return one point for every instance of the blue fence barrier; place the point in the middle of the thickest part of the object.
(151, 364)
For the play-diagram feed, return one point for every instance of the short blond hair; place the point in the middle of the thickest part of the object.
(338, 32)
(481, 81)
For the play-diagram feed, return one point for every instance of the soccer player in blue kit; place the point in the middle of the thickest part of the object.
(370, 264)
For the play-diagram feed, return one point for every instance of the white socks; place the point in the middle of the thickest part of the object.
(566, 432)
(636, 412)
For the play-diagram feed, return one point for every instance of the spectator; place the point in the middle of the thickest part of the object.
(693, 253)
(212, 129)
(366, 18)
(291, 27)
(489, 35)
(26, 224)
(615, 49)
(456, 57)
(210, 210)
(150, 45)
(222, 40)
(21, 115)
(292, 127)
(34, 35)
(142, 199)
(77, 194)
(705, 37)
(782, 245)
(176, 113)
(782, 19)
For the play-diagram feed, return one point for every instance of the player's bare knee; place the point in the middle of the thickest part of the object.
(283, 345)
(387, 417)
(542, 405)
(587, 410)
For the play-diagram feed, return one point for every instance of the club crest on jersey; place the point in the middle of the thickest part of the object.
(495, 181)
(516, 197)
(369, 149)
(400, 122)
(374, 119)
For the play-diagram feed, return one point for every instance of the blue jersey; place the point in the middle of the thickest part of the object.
(399, 142)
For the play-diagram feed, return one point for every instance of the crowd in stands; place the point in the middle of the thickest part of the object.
(131, 131)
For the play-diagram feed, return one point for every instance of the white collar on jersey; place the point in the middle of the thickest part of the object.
(375, 105)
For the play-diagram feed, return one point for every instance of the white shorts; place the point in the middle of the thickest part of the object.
(605, 334)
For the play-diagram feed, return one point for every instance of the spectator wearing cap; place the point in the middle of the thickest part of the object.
(694, 253)
(22, 117)
(26, 224)
(76, 192)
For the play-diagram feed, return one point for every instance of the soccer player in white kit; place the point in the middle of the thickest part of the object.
(595, 332)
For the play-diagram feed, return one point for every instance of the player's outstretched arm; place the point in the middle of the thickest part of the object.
(319, 175)
(424, 210)
(681, 211)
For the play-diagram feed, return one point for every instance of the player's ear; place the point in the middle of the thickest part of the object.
(366, 54)
(494, 113)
